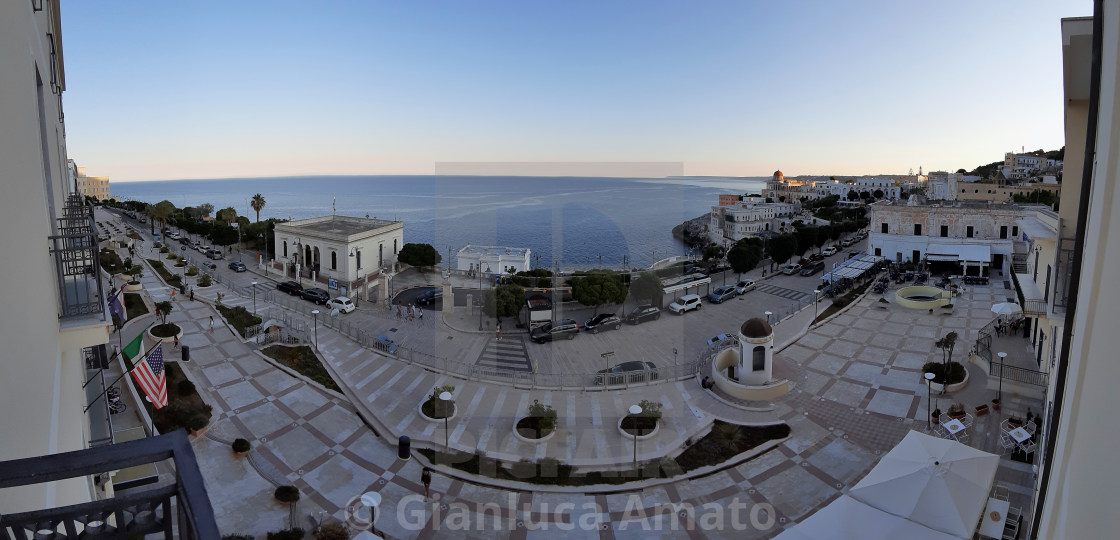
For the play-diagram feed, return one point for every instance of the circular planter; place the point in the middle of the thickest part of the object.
(921, 297)
(169, 339)
(133, 286)
(627, 435)
(420, 411)
(529, 440)
(950, 388)
(125, 277)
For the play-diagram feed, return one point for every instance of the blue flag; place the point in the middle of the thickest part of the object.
(116, 308)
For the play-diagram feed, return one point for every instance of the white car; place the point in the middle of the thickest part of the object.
(342, 303)
(743, 286)
(829, 251)
(685, 303)
(203, 248)
(791, 269)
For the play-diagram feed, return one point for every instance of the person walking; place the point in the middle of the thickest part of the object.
(192, 294)
(398, 312)
(498, 331)
(420, 313)
(172, 295)
(426, 479)
(176, 342)
(211, 324)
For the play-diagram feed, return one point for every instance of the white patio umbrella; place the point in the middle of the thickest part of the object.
(1006, 308)
(936, 482)
(848, 519)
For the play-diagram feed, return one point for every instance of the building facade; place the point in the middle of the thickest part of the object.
(492, 259)
(750, 218)
(942, 186)
(348, 251)
(88, 186)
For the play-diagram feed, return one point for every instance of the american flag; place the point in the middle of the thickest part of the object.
(149, 375)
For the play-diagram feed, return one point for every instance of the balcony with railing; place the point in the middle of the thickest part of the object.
(74, 251)
(1031, 299)
(180, 509)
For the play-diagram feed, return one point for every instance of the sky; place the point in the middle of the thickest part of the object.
(209, 89)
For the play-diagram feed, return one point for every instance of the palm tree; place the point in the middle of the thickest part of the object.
(257, 203)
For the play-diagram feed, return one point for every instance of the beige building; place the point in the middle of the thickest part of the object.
(751, 218)
(338, 252)
(88, 186)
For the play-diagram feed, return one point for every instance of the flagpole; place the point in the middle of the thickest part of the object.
(128, 364)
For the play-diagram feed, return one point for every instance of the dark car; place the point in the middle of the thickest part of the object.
(550, 331)
(812, 268)
(237, 266)
(319, 296)
(429, 297)
(643, 313)
(628, 372)
(290, 287)
(603, 321)
(722, 293)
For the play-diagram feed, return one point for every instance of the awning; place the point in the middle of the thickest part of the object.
(846, 518)
(959, 252)
(852, 268)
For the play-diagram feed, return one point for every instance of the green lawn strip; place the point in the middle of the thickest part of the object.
(171, 279)
(304, 361)
(239, 318)
(724, 442)
(134, 305)
(180, 407)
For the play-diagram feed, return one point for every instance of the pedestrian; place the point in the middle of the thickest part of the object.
(398, 312)
(176, 342)
(420, 313)
(211, 324)
(498, 331)
(192, 294)
(426, 479)
(172, 294)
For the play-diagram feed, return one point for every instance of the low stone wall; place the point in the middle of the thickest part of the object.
(940, 296)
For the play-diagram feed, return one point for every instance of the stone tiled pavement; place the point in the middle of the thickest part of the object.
(857, 391)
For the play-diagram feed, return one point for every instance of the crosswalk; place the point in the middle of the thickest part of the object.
(508, 354)
(783, 292)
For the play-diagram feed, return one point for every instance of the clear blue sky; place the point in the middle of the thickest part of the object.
(208, 89)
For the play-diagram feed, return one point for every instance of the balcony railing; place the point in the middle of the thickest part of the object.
(1017, 374)
(178, 510)
(76, 261)
(1062, 274)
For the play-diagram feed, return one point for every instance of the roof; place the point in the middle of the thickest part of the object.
(338, 225)
(756, 328)
(1034, 228)
(494, 251)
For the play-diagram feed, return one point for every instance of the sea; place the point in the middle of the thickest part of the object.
(572, 222)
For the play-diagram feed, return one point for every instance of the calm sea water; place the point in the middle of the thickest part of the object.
(577, 222)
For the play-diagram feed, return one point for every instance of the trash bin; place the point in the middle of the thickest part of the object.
(186, 353)
(404, 447)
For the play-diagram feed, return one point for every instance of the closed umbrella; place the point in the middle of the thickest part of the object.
(1006, 308)
(936, 482)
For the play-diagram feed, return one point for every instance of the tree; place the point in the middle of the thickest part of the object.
(853, 195)
(865, 195)
(713, 251)
(646, 287)
(165, 307)
(419, 255)
(806, 238)
(161, 211)
(227, 215)
(744, 257)
(597, 289)
(504, 301)
(783, 247)
(947, 344)
(257, 203)
(878, 194)
(204, 209)
(962, 171)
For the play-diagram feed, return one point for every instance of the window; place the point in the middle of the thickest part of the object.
(944, 231)
(358, 256)
(968, 231)
(917, 256)
(1003, 232)
(394, 246)
(878, 252)
(334, 260)
(285, 248)
(381, 254)
(883, 229)
(917, 229)
(1015, 231)
(758, 358)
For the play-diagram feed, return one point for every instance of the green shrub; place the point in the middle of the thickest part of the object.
(238, 317)
(186, 388)
(237, 537)
(164, 249)
(332, 531)
(545, 415)
(287, 534)
(241, 446)
(198, 422)
(192, 271)
(172, 257)
(956, 372)
(433, 405)
(204, 281)
(288, 494)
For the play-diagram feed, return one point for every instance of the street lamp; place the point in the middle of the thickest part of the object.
(929, 395)
(635, 410)
(1002, 356)
(254, 297)
(445, 397)
(315, 312)
(816, 304)
(371, 500)
(768, 314)
(480, 298)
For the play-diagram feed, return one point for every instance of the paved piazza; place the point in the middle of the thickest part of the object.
(857, 390)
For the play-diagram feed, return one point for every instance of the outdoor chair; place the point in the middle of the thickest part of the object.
(1001, 493)
(1006, 441)
(1029, 447)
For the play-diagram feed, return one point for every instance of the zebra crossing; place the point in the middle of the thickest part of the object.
(783, 292)
(509, 354)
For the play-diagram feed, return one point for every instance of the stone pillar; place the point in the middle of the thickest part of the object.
(448, 297)
(382, 288)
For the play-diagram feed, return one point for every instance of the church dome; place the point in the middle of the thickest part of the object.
(778, 174)
(756, 328)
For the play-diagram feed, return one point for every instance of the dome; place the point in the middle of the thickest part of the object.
(778, 174)
(756, 328)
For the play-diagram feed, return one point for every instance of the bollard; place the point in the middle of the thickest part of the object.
(403, 447)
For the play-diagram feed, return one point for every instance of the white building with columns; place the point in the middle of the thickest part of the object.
(492, 259)
(337, 252)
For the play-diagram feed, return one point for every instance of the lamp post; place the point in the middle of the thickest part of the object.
(929, 396)
(445, 398)
(350, 281)
(254, 297)
(371, 500)
(635, 410)
(1002, 356)
(315, 312)
(480, 301)
(816, 304)
(768, 314)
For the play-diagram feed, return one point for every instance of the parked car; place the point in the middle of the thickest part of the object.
(210, 264)
(552, 330)
(384, 344)
(644, 313)
(429, 297)
(317, 295)
(829, 251)
(202, 247)
(816, 257)
(813, 268)
(605, 321)
(718, 339)
(237, 266)
(722, 293)
(215, 254)
(791, 269)
(743, 286)
(290, 287)
(685, 303)
(628, 372)
(341, 303)
(847, 242)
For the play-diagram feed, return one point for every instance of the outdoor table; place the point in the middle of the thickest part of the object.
(994, 518)
(954, 426)
(1020, 435)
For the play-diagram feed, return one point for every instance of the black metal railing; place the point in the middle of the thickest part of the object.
(178, 510)
(1017, 374)
(1063, 270)
(77, 266)
(1033, 307)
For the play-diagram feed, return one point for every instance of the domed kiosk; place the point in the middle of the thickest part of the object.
(747, 372)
